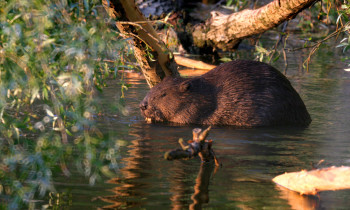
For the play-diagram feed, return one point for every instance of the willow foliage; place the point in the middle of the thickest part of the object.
(51, 66)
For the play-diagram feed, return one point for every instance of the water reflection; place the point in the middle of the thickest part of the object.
(201, 189)
(134, 183)
(250, 157)
(182, 186)
(297, 201)
(130, 185)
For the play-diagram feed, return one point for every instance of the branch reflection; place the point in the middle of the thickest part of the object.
(201, 189)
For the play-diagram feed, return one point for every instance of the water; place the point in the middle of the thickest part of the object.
(250, 157)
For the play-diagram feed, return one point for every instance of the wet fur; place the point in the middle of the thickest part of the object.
(239, 93)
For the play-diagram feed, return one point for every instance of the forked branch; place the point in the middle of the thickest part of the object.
(198, 146)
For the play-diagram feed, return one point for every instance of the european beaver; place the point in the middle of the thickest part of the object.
(240, 93)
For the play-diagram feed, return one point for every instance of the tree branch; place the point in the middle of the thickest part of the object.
(199, 146)
(226, 31)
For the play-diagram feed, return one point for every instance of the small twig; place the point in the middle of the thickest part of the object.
(316, 45)
(142, 22)
(335, 33)
(139, 38)
(138, 25)
(285, 54)
(280, 40)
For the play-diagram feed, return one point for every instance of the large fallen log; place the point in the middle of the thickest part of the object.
(314, 181)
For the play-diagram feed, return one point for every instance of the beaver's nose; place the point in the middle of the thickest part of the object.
(143, 105)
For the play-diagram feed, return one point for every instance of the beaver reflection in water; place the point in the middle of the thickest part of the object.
(239, 93)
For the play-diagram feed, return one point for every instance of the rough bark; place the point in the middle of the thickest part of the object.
(155, 60)
(225, 31)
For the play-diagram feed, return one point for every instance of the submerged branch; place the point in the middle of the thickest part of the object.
(199, 146)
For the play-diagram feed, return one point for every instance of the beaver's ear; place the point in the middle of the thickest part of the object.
(184, 86)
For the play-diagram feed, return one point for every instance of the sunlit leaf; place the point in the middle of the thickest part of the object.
(35, 94)
(339, 17)
(225, 59)
(69, 133)
(49, 112)
(47, 42)
(167, 17)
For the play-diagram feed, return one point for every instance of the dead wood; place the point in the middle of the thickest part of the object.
(311, 182)
(190, 63)
(225, 31)
(198, 146)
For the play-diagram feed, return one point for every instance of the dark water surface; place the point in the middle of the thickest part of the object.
(250, 157)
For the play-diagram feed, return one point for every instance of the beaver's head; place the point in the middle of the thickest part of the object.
(179, 100)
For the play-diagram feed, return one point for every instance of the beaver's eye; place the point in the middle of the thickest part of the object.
(164, 94)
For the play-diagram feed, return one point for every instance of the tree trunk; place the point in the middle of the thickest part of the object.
(226, 31)
(155, 60)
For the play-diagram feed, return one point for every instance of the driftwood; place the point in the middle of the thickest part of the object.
(199, 146)
(311, 182)
(187, 62)
(192, 72)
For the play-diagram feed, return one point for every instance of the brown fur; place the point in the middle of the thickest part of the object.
(239, 93)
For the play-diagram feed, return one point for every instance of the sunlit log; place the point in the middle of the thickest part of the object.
(314, 181)
(191, 63)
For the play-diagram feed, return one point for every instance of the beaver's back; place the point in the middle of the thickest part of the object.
(251, 93)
